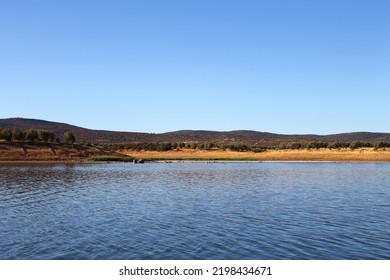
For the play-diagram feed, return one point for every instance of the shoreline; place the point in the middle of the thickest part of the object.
(88, 162)
(5, 164)
(81, 154)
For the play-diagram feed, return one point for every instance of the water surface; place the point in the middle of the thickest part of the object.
(195, 211)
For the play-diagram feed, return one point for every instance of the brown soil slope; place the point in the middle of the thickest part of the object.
(46, 151)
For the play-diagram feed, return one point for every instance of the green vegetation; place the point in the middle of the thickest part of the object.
(18, 135)
(31, 135)
(381, 144)
(28, 135)
(46, 136)
(69, 137)
(242, 147)
(6, 134)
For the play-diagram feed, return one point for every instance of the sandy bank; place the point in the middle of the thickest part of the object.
(269, 155)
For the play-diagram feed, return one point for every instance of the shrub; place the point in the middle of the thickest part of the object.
(6, 134)
(18, 135)
(31, 135)
(69, 137)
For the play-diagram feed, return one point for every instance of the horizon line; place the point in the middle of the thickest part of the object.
(195, 130)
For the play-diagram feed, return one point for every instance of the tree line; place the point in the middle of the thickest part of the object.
(333, 145)
(34, 135)
(47, 136)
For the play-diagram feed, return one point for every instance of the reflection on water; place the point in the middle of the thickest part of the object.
(195, 211)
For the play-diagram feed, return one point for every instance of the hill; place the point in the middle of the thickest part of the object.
(238, 136)
(82, 134)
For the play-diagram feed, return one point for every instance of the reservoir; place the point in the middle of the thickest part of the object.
(195, 210)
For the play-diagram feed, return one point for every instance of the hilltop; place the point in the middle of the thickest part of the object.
(82, 134)
(239, 136)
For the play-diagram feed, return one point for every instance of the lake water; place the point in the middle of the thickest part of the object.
(195, 211)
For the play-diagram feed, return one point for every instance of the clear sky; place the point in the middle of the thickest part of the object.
(287, 66)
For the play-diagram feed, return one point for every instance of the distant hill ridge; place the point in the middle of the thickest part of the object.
(237, 136)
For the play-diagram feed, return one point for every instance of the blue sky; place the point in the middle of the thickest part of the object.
(156, 66)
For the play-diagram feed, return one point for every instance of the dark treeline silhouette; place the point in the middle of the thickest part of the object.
(332, 145)
(26, 135)
(32, 135)
(169, 146)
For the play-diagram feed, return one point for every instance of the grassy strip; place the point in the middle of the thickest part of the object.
(274, 155)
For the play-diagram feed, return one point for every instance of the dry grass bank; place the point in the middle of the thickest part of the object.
(367, 154)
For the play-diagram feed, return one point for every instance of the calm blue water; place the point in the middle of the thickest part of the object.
(195, 211)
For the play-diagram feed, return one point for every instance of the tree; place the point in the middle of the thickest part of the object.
(69, 137)
(294, 145)
(6, 134)
(194, 145)
(355, 145)
(31, 135)
(381, 144)
(164, 146)
(182, 145)
(18, 135)
(45, 136)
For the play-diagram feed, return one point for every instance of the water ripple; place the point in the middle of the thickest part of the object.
(195, 211)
